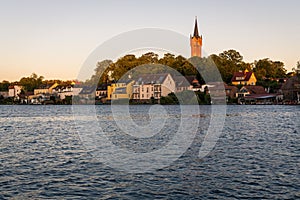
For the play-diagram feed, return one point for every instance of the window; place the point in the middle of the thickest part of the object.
(240, 78)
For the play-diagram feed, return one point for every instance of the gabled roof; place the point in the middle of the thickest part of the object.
(255, 89)
(88, 90)
(181, 81)
(292, 83)
(241, 76)
(151, 78)
(185, 81)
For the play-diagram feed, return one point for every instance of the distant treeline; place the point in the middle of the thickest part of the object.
(227, 63)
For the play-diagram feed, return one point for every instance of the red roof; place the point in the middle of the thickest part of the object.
(241, 76)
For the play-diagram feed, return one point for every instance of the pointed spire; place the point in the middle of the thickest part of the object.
(196, 33)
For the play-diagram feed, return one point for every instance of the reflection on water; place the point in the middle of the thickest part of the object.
(257, 156)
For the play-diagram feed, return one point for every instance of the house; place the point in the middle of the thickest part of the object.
(14, 90)
(86, 95)
(250, 90)
(45, 89)
(101, 91)
(186, 83)
(87, 92)
(216, 90)
(144, 92)
(182, 84)
(254, 94)
(24, 97)
(119, 90)
(291, 90)
(38, 98)
(122, 90)
(110, 89)
(230, 91)
(154, 86)
(243, 78)
(68, 90)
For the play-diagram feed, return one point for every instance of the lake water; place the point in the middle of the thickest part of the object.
(256, 156)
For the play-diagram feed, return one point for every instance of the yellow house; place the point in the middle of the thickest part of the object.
(110, 89)
(45, 90)
(243, 78)
(121, 90)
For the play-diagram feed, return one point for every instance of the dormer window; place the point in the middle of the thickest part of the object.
(240, 78)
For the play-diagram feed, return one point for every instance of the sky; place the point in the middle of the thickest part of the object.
(54, 38)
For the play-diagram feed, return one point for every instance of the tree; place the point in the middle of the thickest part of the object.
(232, 56)
(228, 62)
(4, 85)
(268, 69)
(116, 70)
(102, 72)
(296, 69)
(31, 83)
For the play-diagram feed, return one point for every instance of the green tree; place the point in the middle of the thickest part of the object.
(228, 62)
(268, 69)
(4, 85)
(296, 70)
(32, 82)
(232, 56)
(102, 73)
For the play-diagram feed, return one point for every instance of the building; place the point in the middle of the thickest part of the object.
(14, 91)
(122, 90)
(230, 91)
(101, 91)
(243, 78)
(254, 94)
(110, 89)
(69, 90)
(196, 42)
(291, 90)
(182, 84)
(85, 96)
(250, 90)
(45, 89)
(186, 83)
(154, 86)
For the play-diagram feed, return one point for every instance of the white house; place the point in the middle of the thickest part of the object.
(155, 86)
(63, 91)
(14, 90)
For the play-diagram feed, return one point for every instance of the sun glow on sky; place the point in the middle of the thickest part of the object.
(53, 38)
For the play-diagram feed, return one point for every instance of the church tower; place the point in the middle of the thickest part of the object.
(196, 42)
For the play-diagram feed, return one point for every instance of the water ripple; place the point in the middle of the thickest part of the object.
(256, 157)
